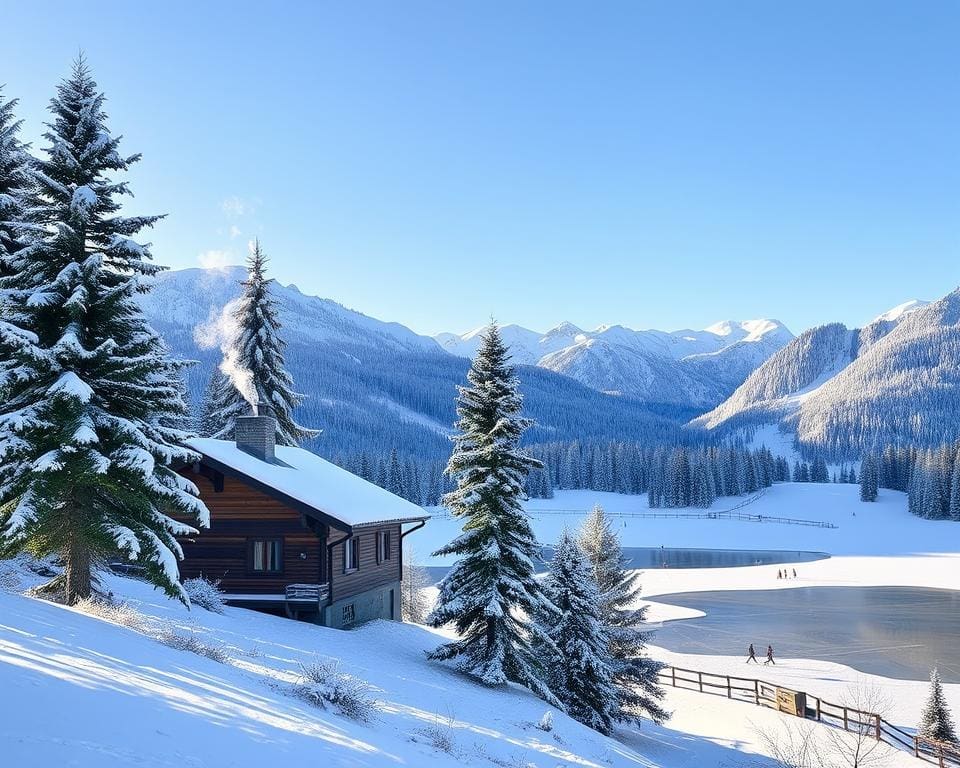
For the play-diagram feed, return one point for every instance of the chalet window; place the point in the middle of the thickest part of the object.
(348, 616)
(266, 555)
(383, 546)
(351, 554)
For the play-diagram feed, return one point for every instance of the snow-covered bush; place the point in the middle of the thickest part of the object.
(116, 613)
(439, 734)
(183, 641)
(205, 593)
(322, 683)
(546, 722)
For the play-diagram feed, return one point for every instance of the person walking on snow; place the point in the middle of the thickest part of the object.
(770, 656)
(753, 655)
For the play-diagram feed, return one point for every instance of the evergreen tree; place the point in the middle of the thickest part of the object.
(208, 420)
(15, 184)
(256, 358)
(91, 398)
(868, 478)
(936, 722)
(491, 588)
(819, 472)
(578, 660)
(954, 508)
(395, 475)
(634, 672)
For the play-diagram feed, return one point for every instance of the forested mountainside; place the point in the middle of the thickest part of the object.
(842, 391)
(374, 386)
(694, 369)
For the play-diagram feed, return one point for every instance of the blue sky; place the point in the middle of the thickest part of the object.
(654, 164)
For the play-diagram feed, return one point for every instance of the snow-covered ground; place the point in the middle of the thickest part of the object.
(80, 691)
(882, 528)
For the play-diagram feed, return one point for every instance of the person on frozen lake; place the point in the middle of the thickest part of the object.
(770, 656)
(753, 655)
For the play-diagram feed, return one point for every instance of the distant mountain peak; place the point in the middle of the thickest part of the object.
(689, 367)
(900, 310)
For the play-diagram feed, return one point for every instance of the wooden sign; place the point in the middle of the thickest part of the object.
(792, 702)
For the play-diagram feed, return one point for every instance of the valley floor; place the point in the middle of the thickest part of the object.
(80, 691)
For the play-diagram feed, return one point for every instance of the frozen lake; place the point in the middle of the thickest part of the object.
(898, 632)
(679, 557)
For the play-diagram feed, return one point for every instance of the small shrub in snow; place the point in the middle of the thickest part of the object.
(205, 593)
(322, 683)
(546, 722)
(183, 641)
(439, 734)
(116, 613)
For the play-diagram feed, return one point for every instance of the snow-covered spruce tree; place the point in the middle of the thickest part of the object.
(491, 590)
(936, 722)
(868, 478)
(87, 428)
(634, 672)
(15, 181)
(577, 663)
(207, 421)
(258, 353)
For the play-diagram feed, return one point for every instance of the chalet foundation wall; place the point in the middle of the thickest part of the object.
(381, 602)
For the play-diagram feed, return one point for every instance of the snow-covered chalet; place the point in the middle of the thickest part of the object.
(291, 533)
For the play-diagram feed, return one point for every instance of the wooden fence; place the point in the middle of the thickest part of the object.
(801, 704)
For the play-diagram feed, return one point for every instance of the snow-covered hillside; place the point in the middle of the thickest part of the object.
(841, 390)
(85, 692)
(693, 368)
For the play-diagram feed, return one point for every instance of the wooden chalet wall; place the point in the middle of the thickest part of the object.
(239, 513)
(370, 573)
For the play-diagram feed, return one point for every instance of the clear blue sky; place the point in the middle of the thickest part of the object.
(655, 164)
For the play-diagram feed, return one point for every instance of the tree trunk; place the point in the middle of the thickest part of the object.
(77, 572)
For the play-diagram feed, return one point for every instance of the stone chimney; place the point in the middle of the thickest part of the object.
(256, 434)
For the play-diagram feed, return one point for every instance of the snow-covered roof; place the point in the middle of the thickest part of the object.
(310, 480)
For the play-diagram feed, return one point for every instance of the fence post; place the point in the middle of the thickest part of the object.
(729, 689)
(845, 720)
(818, 710)
(916, 746)
(700, 680)
(756, 691)
(673, 672)
(878, 727)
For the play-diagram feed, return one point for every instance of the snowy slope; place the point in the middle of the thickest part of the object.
(687, 367)
(92, 694)
(844, 389)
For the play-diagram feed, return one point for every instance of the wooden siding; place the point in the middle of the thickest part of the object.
(370, 573)
(238, 514)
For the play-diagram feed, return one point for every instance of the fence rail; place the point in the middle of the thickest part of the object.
(762, 693)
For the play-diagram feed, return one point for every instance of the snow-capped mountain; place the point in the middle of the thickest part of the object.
(686, 367)
(841, 390)
(193, 299)
(373, 385)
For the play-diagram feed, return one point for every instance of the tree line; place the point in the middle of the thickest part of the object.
(929, 476)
